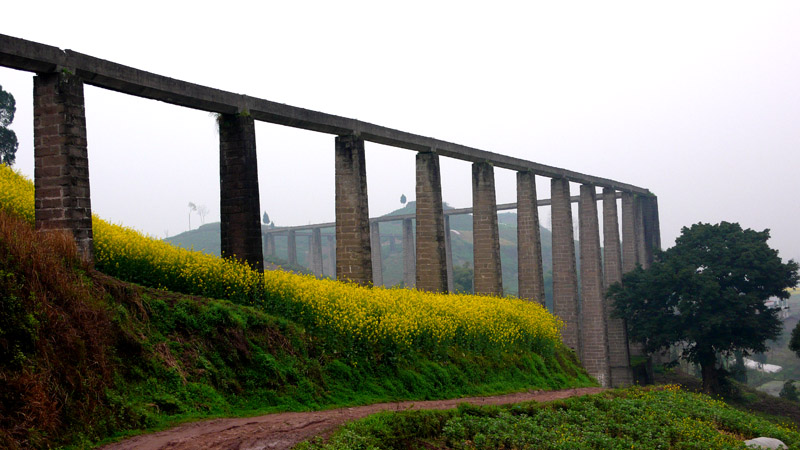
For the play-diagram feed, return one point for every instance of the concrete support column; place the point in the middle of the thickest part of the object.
(409, 258)
(641, 245)
(431, 253)
(291, 248)
(332, 255)
(565, 283)
(632, 254)
(618, 353)
(448, 247)
(594, 337)
(61, 160)
(240, 227)
(269, 243)
(651, 228)
(529, 247)
(485, 235)
(377, 258)
(316, 252)
(630, 250)
(431, 274)
(353, 251)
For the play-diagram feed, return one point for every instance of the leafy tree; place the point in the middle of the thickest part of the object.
(789, 392)
(794, 341)
(265, 218)
(403, 199)
(707, 293)
(8, 139)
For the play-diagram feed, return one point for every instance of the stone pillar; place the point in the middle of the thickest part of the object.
(565, 283)
(529, 247)
(377, 258)
(61, 160)
(594, 337)
(270, 244)
(332, 255)
(431, 253)
(485, 235)
(651, 228)
(641, 246)
(353, 251)
(448, 247)
(240, 219)
(618, 353)
(630, 250)
(316, 252)
(632, 254)
(291, 248)
(409, 258)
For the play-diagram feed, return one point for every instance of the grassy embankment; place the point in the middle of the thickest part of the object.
(86, 356)
(665, 417)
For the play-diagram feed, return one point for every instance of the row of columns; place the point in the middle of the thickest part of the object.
(63, 203)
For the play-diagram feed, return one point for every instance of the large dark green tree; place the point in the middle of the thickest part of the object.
(708, 294)
(8, 139)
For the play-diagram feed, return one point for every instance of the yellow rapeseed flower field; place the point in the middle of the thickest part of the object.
(373, 320)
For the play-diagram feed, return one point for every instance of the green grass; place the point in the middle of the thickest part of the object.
(188, 358)
(87, 358)
(620, 419)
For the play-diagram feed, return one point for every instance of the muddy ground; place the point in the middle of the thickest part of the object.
(284, 430)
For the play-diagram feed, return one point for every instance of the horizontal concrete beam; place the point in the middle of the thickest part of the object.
(399, 217)
(34, 57)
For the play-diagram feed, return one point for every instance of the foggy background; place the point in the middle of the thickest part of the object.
(697, 101)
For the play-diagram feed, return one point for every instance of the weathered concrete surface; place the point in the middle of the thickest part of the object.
(630, 250)
(618, 353)
(529, 247)
(431, 270)
(399, 217)
(291, 248)
(565, 282)
(316, 252)
(269, 244)
(409, 255)
(61, 162)
(488, 278)
(31, 56)
(332, 255)
(377, 258)
(641, 245)
(594, 337)
(353, 250)
(240, 218)
(650, 227)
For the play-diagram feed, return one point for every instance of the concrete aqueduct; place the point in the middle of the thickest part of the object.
(63, 202)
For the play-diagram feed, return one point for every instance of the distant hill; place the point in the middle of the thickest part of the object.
(206, 239)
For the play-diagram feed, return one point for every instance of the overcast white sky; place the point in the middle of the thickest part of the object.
(697, 101)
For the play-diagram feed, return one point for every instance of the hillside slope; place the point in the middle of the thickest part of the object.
(86, 356)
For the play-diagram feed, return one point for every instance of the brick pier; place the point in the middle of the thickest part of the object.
(61, 162)
(431, 272)
(594, 337)
(353, 250)
(240, 227)
(565, 283)
(488, 278)
(529, 247)
(618, 353)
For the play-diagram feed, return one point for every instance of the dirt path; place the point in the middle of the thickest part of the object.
(283, 430)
